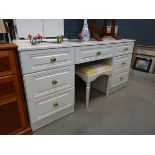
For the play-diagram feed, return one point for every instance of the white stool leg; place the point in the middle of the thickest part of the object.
(87, 93)
(108, 86)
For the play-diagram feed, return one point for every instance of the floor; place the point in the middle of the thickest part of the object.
(130, 110)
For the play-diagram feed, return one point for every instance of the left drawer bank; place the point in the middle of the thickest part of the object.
(48, 76)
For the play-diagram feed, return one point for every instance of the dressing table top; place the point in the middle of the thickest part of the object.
(24, 45)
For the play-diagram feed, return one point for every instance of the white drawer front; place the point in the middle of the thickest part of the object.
(121, 62)
(91, 53)
(39, 60)
(51, 104)
(118, 79)
(124, 48)
(45, 82)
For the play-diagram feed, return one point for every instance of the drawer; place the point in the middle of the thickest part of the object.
(7, 63)
(39, 60)
(51, 104)
(124, 48)
(91, 53)
(121, 62)
(45, 82)
(118, 79)
(9, 86)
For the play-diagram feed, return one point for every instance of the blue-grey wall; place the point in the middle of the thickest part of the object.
(1, 37)
(142, 30)
(72, 27)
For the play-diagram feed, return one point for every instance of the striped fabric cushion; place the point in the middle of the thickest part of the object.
(94, 68)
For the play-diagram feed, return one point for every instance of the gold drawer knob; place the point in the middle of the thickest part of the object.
(125, 49)
(53, 59)
(54, 82)
(121, 78)
(98, 53)
(55, 104)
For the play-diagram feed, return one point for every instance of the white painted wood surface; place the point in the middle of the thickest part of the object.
(39, 72)
(39, 60)
(91, 53)
(45, 106)
(118, 79)
(121, 62)
(24, 45)
(124, 48)
(42, 83)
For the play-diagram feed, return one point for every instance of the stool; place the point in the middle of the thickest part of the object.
(90, 72)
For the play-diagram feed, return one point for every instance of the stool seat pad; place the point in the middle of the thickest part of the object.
(94, 69)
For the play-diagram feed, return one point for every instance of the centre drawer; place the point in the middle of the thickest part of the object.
(39, 60)
(48, 105)
(91, 53)
(121, 62)
(45, 82)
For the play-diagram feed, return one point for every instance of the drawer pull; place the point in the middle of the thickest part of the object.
(55, 104)
(98, 53)
(54, 82)
(125, 49)
(53, 59)
(123, 63)
(121, 78)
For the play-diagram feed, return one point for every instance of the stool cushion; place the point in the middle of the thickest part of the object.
(93, 68)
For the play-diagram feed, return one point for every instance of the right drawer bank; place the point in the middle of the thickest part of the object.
(121, 66)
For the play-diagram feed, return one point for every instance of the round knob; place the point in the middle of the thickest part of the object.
(54, 82)
(55, 104)
(125, 49)
(53, 59)
(123, 63)
(121, 78)
(98, 53)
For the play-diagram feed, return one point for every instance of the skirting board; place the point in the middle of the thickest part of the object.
(52, 118)
(143, 75)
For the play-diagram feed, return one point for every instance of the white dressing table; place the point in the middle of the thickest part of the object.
(48, 71)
